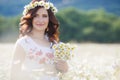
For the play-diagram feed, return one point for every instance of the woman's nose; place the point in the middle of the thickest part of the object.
(40, 19)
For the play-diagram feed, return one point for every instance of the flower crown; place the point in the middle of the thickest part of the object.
(46, 5)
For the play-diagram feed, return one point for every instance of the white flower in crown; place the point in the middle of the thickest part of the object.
(51, 5)
(46, 5)
(26, 7)
(36, 3)
(32, 6)
(41, 3)
(54, 10)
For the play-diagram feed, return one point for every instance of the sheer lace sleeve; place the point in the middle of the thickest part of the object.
(25, 43)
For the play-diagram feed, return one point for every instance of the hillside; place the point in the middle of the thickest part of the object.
(13, 7)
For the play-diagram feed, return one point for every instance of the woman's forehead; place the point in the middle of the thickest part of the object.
(41, 11)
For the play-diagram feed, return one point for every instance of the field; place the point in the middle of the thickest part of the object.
(102, 59)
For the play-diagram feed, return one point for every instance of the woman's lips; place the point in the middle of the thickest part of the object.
(39, 24)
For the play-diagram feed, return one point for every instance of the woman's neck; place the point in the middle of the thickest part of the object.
(37, 35)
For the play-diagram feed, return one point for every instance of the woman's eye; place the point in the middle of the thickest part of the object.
(45, 15)
(35, 15)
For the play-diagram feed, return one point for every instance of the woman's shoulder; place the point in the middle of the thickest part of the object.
(24, 42)
(22, 39)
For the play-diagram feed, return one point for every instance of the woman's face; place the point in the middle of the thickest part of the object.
(41, 20)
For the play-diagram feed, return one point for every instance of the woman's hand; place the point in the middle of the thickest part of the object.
(62, 66)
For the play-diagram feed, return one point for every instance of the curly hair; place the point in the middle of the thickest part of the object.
(53, 25)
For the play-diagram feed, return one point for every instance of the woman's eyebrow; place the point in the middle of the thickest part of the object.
(42, 14)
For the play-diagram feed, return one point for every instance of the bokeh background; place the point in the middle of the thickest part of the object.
(80, 20)
(93, 25)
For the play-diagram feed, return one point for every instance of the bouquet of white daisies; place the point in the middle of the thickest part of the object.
(63, 51)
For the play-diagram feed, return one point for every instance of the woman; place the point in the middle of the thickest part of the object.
(33, 56)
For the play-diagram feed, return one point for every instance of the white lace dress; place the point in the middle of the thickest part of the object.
(39, 63)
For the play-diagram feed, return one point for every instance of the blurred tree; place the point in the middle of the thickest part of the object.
(75, 25)
(95, 25)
